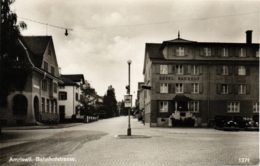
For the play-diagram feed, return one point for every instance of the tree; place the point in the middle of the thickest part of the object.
(110, 103)
(13, 75)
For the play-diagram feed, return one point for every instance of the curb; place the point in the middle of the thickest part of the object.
(132, 136)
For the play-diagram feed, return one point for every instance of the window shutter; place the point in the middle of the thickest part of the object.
(169, 69)
(236, 70)
(236, 52)
(230, 70)
(185, 68)
(248, 89)
(157, 69)
(201, 87)
(231, 52)
(236, 88)
(174, 50)
(254, 52)
(248, 52)
(201, 69)
(173, 69)
(185, 88)
(189, 87)
(158, 88)
(248, 70)
(218, 88)
(172, 88)
(222, 51)
(186, 51)
(201, 51)
(219, 52)
(219, 70)
(169, 88)
(188, 69)
(230, 88)
(213, 51)
(244, 52)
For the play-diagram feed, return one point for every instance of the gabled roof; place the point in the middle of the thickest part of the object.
(180, 40)
(37, 45)
(75, 77)
(177, 40)
(181, 98)
(67, 81)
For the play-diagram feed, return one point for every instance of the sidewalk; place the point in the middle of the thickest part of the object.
(58, 126)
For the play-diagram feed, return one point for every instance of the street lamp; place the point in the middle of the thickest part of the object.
(129, 126)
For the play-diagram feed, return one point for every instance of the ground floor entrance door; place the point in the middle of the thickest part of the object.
(62, 113)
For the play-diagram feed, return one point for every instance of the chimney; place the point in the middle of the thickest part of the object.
(249, 37)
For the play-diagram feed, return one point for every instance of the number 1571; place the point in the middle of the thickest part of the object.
(244, 160)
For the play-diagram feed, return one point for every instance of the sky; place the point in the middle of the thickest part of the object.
(106, 34)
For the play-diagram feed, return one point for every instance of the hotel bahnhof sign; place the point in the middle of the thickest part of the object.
(179, 78)
(128, 100)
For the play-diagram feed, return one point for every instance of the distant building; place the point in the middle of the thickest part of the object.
(200, 80)
(39, 101)
(69, 95)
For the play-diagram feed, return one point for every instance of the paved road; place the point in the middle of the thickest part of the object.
(94, 144)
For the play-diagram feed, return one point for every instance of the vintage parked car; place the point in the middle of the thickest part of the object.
(219, 121)
(230, 125)
(241, 121)
(252, 125)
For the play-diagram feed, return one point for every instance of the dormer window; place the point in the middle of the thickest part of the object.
(180, 51)
(242, 52)
(224, 52)
(207, 51)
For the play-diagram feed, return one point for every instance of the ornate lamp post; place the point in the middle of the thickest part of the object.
(129, 126)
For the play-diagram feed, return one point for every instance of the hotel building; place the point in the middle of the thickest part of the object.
(200, 80)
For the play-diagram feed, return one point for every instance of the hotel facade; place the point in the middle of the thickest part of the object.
(200, 80)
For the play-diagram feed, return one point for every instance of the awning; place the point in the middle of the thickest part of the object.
(181, 98)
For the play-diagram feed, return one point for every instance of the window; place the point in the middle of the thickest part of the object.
(256, 107)
(195, 88)
(179, 88)
(163, 106)
(62, 95)
(224, 52)
(194, 106)
(164, 88)
(224, 89)
(45, 66)
(242, 52)
(51, 106)
(207, 51)
(47, 106)
(241, 70)
(44, 85)
(77, 96)
(163, 69)
(179, 69)
(242, 89)
(54, 87)
(43, 104)
(194, 70)
(180, 51)
(224, 70)
(52, 70)
(233, 106)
